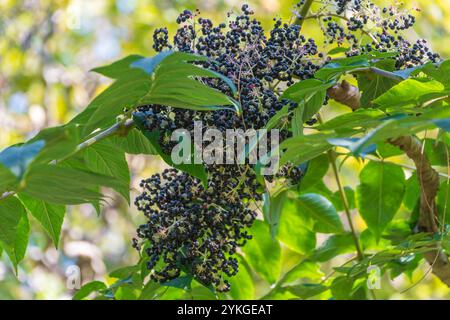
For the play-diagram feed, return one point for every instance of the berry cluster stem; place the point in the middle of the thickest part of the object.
(303, 12)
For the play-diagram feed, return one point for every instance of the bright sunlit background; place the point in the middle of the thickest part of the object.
(46, 51)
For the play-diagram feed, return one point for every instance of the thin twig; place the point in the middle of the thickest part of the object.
(128, 123)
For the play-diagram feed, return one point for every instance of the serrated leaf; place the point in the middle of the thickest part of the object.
(50, 216)
(409, 92)
(65, 185)
(380, 194)
(373, 85)
(107, 159)
(120, 68)
(14, 229)
(134, 143)
(262, 253)
(59, 142)
(165, 79)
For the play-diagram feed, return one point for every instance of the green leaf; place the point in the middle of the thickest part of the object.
(335, 245)
(313, 104)
(440, 72)
(103, 110)
(359, 147)
(297, 121)
(307, 290)
(165, 79)
(296, 228)
(107, 159)
(443, 202)
(124, 272)
(273, 206)
(361, 118)
(436, 152)
(242, 284)
(183, 282)
(50, 216)
(387, 150)
(262, 253)
(373, 85)
(340, 66)
(342, 288)
(338, 50)
(412, 192)
(304, 89)
(303, 148)
(304, 270)
(8, 180)
(14, 229)
(380, 194)
(59, 142)
(120, 68)
(409, 92)
(17, 158)
(65, 185)
(134, 143)
(278, 118)
(337, 200)
(310, 93)
(322, 211)
(89, 288)
(149, 290)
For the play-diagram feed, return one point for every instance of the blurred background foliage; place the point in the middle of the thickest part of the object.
(47, 48)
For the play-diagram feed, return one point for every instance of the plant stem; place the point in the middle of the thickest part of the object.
(303, 13)
(380, 72)
(98, 137)
(332, 159)
(128, 123)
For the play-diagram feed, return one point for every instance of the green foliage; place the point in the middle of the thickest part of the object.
(69, 165)
(296, 228)
(50, 216)
(106, 158)
(263, 253)
(14, 229)
(380, 194)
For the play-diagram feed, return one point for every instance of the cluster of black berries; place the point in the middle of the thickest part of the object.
(194, 228)
(360, 16)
